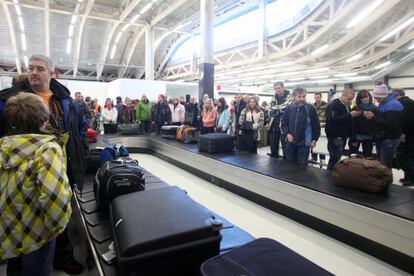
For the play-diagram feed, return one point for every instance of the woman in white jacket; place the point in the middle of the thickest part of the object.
(251, 119)
(109, 116)
(177, 113)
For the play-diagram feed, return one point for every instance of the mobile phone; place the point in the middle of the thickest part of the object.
(109, 256)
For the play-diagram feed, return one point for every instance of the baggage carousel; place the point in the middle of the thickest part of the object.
(381, 225)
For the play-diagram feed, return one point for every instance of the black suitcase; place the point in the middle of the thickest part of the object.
(117, 177)
(169, 131)
(261, 257)
(216, 142)
(162, 232)
(93, 160)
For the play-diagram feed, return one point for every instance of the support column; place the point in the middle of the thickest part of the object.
(206, 82)
(149, 53)
(262, 39)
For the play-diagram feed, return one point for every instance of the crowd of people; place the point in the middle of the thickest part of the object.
(43, 141)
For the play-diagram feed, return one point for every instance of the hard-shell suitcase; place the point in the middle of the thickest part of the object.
(169, 132)
(187, 134)
(129, 129)
(362, 174)
(162, 232)
(261, 257)
(117, 177)
(216, 142)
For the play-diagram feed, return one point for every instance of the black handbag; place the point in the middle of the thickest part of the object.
(247, 125)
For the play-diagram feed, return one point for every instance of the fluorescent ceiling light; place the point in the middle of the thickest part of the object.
(147, 7)
(73, 20)
(324, 81)
(80, 1)
(24, 47)
(26, 61)
(113, 51)
(382, 65)
(322, 69)
(125, 27)
(319, 77)
(118, 37)
(362, 15)
(21, 24)
(397, 29)
(319, 50)
(354, 58)
(69, 46)
(297, 79)
(18, 11)
(346, 75)
(70, 31)
(77, 8)
(135, 18)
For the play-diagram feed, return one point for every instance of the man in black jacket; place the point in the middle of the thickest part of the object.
(405, 152)
(338, 125)
(280, 102)
(65, 116)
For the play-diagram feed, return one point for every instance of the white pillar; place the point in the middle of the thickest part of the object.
(262, 39)
(206, 83)
(149, 53)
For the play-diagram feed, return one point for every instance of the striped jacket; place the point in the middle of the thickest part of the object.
(34, 192)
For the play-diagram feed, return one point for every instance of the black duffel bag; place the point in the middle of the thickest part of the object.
(117, 177)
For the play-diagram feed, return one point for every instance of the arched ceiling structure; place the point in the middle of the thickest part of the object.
(104, 40)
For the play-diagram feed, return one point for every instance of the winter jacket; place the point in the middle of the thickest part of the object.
(161, 113)
(73, 122)
(191, 114)
(209, 118)
(338, 120)
(143, 112)
(256, 117)
(277, 109)
(110, 116)
(390, 117)
(224, 119)
(127, 115)
(302, 122)
(321, 111)
(120, 110)
(408, 118)
(238, 108)
(34, 192)
(177, 113)
(363, 126)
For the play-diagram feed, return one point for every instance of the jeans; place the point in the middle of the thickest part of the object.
(297, 154)
(39, 262)
(335, 148)
(388, 150)
(274, 138)
(405, 158)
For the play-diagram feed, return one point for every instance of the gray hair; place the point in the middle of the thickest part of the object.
(47, 60)
(298, 90)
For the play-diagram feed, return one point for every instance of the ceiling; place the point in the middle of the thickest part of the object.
(107, 40)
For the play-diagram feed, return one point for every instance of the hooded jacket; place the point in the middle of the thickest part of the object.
(34, 192)
(390, 117)
(74, 123)
(143, 112)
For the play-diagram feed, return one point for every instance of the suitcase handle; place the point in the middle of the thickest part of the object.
(121, 164)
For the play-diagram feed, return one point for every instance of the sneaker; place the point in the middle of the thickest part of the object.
(71, 267)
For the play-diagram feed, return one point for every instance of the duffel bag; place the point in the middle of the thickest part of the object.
(191, 135)
(129, 129)
(362, 174)
(117, 177)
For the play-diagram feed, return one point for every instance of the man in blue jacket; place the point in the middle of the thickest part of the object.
(300, 124)
(390, 123)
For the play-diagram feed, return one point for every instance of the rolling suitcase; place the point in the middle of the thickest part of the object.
(162, 232)
(169, 132)
(261, 257)
(131, 129)
(116, 178)
(362, 174)
(216, 142)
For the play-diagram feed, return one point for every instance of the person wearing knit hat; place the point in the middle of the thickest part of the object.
(389, 120)
(380, 91)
